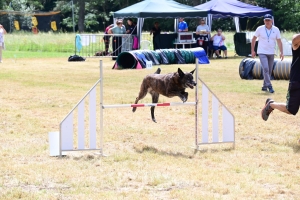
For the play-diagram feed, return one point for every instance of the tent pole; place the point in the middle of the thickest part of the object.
(73, 16)
(237, 24)
(209, 21)
(140, 24)
(175, 25)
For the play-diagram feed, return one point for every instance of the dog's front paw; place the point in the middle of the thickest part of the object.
(184, 97)
(134, 109)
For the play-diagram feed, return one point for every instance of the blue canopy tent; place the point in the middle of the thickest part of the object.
(231, 8)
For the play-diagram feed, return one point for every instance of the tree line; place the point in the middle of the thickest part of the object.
(95, 15)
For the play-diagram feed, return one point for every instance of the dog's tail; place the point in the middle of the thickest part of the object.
(157, 71)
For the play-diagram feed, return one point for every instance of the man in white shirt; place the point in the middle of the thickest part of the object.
(268, 34)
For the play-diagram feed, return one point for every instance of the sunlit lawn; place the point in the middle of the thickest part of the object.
(145, 160)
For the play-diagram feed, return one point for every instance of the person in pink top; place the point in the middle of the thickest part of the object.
(106, 38)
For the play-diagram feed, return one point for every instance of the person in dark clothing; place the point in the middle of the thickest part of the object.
(131, 28)
(155, 31)
(293, 94)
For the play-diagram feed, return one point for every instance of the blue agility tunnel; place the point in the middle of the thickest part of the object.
(137, 59)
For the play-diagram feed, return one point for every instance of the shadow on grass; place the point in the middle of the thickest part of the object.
(154, 150)
(86, 157)
(296, 147)
(161, 152)
(262, 93)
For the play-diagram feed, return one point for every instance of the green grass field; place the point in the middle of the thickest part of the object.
(145, 160)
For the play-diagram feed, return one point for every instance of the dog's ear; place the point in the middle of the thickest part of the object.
(192, 72)
(180, 72)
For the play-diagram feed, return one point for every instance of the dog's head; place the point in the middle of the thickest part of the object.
(187, 78)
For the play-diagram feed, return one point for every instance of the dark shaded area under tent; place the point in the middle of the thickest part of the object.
(242, 47)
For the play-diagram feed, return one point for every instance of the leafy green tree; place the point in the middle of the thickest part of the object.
(95, 15)
(1, 4)
(288, 15)
(81, 15)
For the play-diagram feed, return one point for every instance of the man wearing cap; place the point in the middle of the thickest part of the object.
(293, 95)
(268, 34)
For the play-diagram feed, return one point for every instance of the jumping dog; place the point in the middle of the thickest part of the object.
(169, 85)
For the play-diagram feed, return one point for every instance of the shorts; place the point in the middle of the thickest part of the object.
(223, 48)
(293, 98)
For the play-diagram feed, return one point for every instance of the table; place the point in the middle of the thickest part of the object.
(184, 43)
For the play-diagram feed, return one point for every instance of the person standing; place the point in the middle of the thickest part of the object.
(106, 38)
(202, 33)
(182, 25)
(267, 35)
(2, 32)
(117, 40)
(293, 94)
(155, 31)
(131, 28)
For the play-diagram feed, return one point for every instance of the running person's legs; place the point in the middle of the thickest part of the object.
(290, 107)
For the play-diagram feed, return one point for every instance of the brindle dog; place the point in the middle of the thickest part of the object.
(169, 85)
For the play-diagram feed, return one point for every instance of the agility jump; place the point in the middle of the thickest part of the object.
(63, 140)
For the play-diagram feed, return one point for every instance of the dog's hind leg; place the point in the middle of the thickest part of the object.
(155, 97)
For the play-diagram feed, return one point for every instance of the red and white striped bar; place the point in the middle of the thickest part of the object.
(149, 105)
